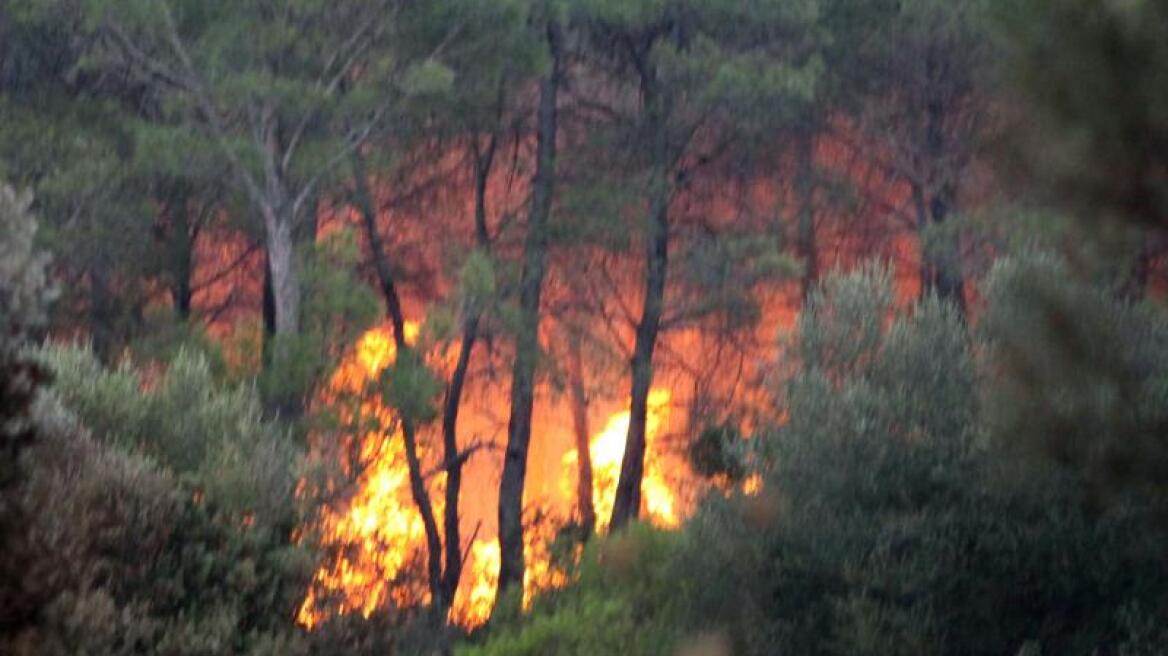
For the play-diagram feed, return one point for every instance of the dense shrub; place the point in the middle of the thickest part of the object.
(165, 530)
(620, 605)
(889, 522)
(24, 298)
(211, 435)
(1081, 378)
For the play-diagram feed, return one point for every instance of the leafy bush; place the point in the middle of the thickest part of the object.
(1081, 378)
(166, 530)
(24, 298)
(889, 521)
(619, 605)
(337, 307)
(213, 436)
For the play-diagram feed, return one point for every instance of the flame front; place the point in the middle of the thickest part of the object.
(376, 539)
(607, 449)
(378, 532)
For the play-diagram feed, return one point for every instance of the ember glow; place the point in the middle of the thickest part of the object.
(375, 535)
(608, 448)
(378, 532)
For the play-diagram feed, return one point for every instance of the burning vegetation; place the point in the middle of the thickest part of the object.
(374, 529)
(527, 327)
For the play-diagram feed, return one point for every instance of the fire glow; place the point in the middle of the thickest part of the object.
(375, 537)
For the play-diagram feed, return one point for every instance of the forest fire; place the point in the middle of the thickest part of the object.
(375, 534)
(607, 449)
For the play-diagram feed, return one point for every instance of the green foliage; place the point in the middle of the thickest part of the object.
(167, 531)
(621, 579)
(478, 284)
(721, 273)
(888, 523)
(1092, 77)
(164, 335)
(24, 298)
(428, 78)
(221, 445)
(843, 323)
(1080, 377)
(337, 308)
(409, 387)
(26, 290)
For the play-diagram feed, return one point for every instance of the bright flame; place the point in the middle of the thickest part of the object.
(378, 539)
(607, 449)
(379, 532)
(752, 485)
(476, 595)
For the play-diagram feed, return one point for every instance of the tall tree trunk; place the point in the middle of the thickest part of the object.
(511, 564)
(385, 278)
(440, 600)
(177, 235)
(483, 162)
(940, 260)
(421, 496)
(584, 505)
(627, 504)
(278, 226)
(949, 280)
(453, 458)
(182, 292)
(101, 312)
(805, 190)
(269, 306)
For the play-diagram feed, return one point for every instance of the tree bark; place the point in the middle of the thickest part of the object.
(278, 226)
(381, 265)
(584, 506)
(440, 599)
(805, 189)
(269, 306)
(511, 565)
(470, 327)
(182, 292)
(627, 504)
(101, 312)
(940, 264)
(453, 458)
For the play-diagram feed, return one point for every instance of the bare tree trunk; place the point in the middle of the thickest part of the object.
(453, 458)
(584, 505)
(269, 305)
(511, 565)
(940, 258)
(101, 312)
(440, 601)
(950, 282)
(181, 290)
(940, 261)
(627, 504)
(278, 224)
(805, 189)
(385, 278)
(483, 162)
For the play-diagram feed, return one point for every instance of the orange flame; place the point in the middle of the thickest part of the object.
(378, 539)
(607, 449)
